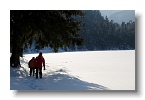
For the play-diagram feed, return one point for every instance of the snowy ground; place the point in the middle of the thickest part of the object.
(96, 70)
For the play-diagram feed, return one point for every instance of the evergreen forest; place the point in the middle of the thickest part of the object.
(100, 33)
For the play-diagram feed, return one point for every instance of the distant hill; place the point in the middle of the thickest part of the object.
(125, 16)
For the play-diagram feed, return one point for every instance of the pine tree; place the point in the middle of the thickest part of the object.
(48, 28)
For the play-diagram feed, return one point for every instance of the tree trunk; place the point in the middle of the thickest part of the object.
(16, 51)
(15, 57)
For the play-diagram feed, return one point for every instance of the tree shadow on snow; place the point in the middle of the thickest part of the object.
(57, 80)
(60, 80)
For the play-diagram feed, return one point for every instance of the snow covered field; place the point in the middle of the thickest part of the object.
(91, 70)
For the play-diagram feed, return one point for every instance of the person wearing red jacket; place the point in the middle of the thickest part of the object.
(39, 62)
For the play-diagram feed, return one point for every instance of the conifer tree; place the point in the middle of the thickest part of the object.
(48, 28)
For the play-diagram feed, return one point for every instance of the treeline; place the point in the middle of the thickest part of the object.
(97, 32)
(100, 33)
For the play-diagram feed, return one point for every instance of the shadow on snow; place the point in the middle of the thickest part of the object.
(57, 80)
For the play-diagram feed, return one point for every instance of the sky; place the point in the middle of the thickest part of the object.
(108, 12)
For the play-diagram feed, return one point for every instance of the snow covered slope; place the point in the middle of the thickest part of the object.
(96, 70)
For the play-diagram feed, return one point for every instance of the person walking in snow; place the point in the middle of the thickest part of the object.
(39, 62)
(32, 66)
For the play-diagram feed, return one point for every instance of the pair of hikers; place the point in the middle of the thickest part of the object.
(37, 64)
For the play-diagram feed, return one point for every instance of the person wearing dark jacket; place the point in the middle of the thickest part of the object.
(40, 62)
(32, 66)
